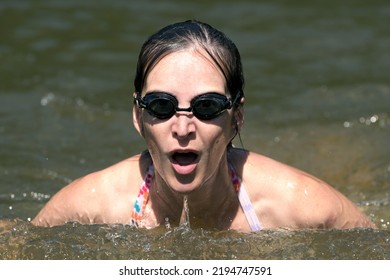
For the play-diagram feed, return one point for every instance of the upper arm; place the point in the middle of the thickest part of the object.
(288, 197)
(321, 206)
(100, 197)
(72, 203)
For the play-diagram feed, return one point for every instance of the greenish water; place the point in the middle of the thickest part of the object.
(74, 241)
(317, 97)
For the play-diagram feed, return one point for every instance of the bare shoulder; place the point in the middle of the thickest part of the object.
(112, 181)
(104, 196)
(288, 197)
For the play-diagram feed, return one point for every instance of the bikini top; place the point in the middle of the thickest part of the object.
(245, 203)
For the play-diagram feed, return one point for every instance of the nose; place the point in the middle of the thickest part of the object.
(183, 126)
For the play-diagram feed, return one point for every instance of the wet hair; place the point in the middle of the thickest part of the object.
(198, 35)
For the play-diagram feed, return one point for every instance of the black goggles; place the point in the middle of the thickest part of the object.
(204, 107)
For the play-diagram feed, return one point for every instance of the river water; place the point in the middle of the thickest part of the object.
(317, 97)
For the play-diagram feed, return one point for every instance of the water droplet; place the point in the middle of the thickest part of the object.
(374, 119)
(347, 124)
(167, 224)
(80, 102)
(47, 99)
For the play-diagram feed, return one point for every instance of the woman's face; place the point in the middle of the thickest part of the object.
(186, 151)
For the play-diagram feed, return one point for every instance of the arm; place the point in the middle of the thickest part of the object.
(290, 198)
(317, 205)
(342, 213)
(106, 196)
(74, 202)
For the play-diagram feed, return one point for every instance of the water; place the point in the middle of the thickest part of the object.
(317, 97)
(74, 241)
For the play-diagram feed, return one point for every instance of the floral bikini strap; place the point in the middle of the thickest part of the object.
(235, 179)
(142, 198)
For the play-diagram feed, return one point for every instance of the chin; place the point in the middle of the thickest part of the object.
(184, 187)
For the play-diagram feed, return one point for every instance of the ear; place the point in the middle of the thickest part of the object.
(239, 115)
(137, 120)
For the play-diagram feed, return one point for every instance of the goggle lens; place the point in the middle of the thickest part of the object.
(161, 108)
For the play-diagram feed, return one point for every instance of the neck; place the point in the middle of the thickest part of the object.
(213, 204)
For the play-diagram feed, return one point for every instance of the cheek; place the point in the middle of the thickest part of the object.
(154, 128)
(220, 138)
(227, 126)
(153, 137)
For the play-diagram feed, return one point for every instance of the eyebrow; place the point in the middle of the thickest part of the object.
(165, 92)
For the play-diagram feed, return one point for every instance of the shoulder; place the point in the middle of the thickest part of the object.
(288, 197)
(112, 180)
(103, 196)
(119, 175)
(256, 168)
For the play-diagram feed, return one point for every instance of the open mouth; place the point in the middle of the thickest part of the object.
(184, 158)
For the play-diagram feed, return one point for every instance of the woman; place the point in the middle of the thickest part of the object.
(188, 107)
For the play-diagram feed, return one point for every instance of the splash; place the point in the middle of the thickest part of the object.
(185, 215)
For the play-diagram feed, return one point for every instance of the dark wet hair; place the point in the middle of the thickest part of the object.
(187, 34)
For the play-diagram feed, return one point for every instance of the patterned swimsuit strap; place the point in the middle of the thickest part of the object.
(245, 202)
(142, 198)
(235, 179)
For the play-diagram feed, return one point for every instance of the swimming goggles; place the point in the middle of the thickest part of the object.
(204, 107)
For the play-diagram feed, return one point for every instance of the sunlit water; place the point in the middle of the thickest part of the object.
(317, 97)
(74, 241)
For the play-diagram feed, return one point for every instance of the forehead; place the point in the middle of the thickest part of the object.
(188, 71)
